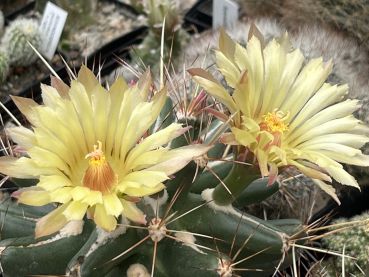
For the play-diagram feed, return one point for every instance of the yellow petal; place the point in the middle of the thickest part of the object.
(50, 96)
(23, 168)
(61, 195)
(33, 196)
(75, 210)
(101, 105)
(228, 69)
(103, 220)
(294, 61)
(243, 137)
(87, 78)
(155, 140)
(212, 86)
(262, 158)
(116, 93)
(52, 182)
(255, 73)
(112, 204)
(176, 159)
(146, 159)
(26, 106)
(46, 158)
(79, 192)
(331, 191)
(274, 62)
(22, 136)
(81, 102)
(147, 178)
(93, 197)
(143, 191)
(51, 223)
(133, 213)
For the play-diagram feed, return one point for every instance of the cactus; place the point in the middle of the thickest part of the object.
(2, 22)
(352, 236)
(175, 37)
(16, 38)
(4, 66)
(144, 184)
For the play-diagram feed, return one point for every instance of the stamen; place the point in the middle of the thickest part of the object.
(99, 175)
(274, 122)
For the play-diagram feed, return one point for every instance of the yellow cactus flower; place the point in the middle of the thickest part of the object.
(91, 151)
(284, 112)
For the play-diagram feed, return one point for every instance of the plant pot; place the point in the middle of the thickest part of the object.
(14, 8)
(200, 16)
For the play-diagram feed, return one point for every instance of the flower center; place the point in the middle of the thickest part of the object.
(274, 122)
(99, 175)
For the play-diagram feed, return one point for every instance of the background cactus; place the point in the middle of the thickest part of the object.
(15, 42)
(4, 65)
(148, 51)
(354, 238)
(2, 22)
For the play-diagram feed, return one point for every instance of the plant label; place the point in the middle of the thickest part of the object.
(51, 28)
(225, 13)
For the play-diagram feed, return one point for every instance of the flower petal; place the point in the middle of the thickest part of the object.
(93, 197)
(143, 191)
(133, 213)
(61, 195)
(33, 196)
(52, 222)
(176, 159)
(104, 220)
(52, 182)
(112, 204)
(76, 210)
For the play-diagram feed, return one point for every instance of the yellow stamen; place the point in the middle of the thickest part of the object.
(99, 175)
(274, 122)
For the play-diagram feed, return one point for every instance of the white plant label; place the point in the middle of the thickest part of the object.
(51, 28)
(225, 13)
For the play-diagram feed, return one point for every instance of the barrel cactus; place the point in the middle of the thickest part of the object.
(16, 38)
(351, 236)
(126, 181)
(4, 65)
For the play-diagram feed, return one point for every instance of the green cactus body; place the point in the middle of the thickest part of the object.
(16, 38)
(175, 37)
(2, 22)
(354, 239)
(4, 66)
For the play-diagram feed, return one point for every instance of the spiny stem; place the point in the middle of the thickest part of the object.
(234, 184)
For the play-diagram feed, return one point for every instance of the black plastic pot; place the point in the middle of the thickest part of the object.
(20, 10)
(200, 16)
